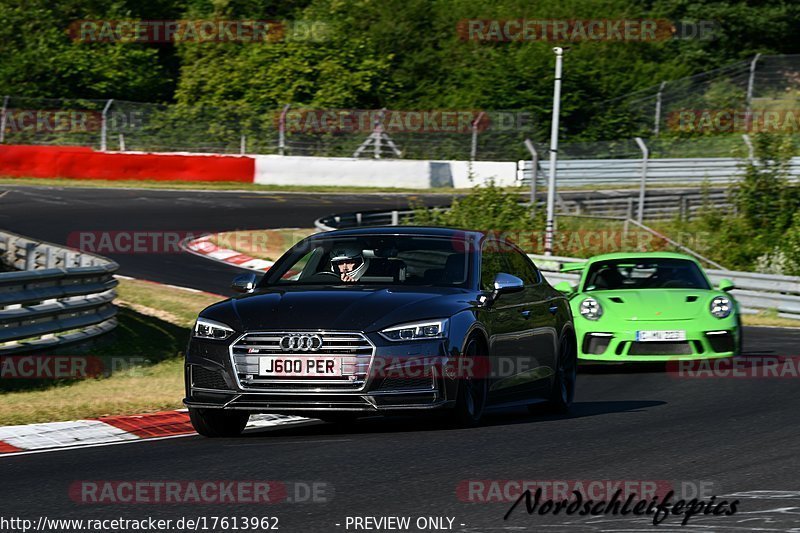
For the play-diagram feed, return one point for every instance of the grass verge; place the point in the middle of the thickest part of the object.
(139, 365)
(262, 244)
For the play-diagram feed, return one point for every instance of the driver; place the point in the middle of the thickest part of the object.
(348, 262)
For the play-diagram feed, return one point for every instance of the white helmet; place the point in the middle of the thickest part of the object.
(349, 253)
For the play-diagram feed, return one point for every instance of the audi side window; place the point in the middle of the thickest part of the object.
(492, 262)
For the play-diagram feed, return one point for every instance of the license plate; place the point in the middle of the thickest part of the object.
(655, 336)
(300, 366)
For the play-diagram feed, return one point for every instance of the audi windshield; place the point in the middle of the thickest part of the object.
(375, 260)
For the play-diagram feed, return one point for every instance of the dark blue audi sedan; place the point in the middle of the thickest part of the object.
(383, 320)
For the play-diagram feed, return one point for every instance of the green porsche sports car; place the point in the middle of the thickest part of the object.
(651, 307)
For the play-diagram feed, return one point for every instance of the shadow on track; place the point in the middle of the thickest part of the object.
(436, 423)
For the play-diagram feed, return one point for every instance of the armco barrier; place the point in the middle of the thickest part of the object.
(628, 172)
(754, 291)
(86, 163)
(55, 295)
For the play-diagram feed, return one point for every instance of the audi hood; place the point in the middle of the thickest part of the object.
(344, 308)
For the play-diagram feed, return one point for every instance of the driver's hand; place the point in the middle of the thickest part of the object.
(348, 277)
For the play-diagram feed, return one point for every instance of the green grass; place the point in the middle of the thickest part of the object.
(141, 362)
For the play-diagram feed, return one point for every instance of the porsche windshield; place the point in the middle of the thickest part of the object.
(376, 260)
(645, 274)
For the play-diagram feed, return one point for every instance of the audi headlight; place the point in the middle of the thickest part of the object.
(591, 309)
(209, 329)
(720, 307)
(430, 329)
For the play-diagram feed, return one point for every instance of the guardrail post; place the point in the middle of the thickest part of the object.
(358, 219)
(395, 218)
(50, 257)
(121, 142)
(645, 157)
(534, 173)
(30, 256)
(243, 145)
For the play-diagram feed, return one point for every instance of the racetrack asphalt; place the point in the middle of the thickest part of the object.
(735, 438)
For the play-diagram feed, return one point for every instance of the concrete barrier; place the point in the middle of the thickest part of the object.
(416, 174)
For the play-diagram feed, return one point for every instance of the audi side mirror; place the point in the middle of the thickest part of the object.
(506, 283)
(244, 283)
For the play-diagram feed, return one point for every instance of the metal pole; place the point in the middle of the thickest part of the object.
(104, 126)
(378, 133)
(657, 124)
(121, 142)
(750, 150)
(645, 157)
(282, 129)
(750, 82)
(243, 145)
(551, 181)
(3, 120)
(534, 173)
(474, 149)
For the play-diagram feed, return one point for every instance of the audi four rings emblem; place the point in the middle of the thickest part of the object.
(302, 343)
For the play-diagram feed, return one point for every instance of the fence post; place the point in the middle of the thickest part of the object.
(3, 120)
(750, 150)
(642, 184)
(104, 126)
(395, 218)
(473, 152)
(549, 228)
(243, 145)
(282, 130)
(121, 142)
(534, 173)
(657, 124)
(749, 103)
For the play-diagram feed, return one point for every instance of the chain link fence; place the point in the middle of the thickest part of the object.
(117, 125)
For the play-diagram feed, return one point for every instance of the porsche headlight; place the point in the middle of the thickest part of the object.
(209, 329)
(720, 307)
(429, 329)
(591, 309)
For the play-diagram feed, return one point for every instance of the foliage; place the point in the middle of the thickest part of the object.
(401, 54)
(488, 208)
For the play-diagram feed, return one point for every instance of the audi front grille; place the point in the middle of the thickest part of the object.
(353, 348)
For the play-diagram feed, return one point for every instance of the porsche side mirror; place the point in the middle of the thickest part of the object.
(565, 287)
(725, 285)
(244, 283)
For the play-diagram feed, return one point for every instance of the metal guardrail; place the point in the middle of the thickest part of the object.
(578, 172)
(54, 294)
(754, 291)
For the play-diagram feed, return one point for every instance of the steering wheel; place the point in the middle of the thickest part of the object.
(323, 275)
